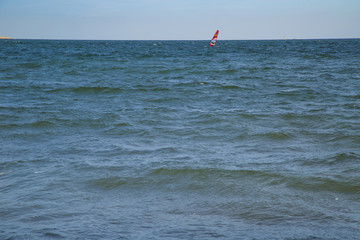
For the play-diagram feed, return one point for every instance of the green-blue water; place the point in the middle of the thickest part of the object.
(176, 140)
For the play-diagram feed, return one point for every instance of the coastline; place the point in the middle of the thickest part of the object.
(1, 37)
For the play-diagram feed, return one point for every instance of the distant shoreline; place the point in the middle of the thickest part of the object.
(5, 37)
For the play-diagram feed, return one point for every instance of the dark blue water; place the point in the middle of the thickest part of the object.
(176, 140)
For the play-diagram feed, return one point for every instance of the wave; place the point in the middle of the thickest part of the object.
(71, 119)
(110, 182)
(144, 88)
(183, 178)
(316, 184)
(94, 54)
(275, 135)
(354, 96)
(35, 124)
(30, 65)
(231, 87)
(85, 90)
(226, 182)
(341, 159)
(345, 157)
(59, 87)
(97, 90)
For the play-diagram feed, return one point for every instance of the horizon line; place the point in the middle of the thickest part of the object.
(254, 39)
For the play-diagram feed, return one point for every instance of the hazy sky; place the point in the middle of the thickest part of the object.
(179, 19)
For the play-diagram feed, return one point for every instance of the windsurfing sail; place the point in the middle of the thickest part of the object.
(214, 39)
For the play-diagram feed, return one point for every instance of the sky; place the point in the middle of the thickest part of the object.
(179, 19)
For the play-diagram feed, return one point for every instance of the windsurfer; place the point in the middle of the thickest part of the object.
(213, 40)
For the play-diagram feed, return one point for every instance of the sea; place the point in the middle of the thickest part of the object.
(179, 140)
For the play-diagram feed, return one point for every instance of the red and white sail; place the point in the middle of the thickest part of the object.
(214, 39)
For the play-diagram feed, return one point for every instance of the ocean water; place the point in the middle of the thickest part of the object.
(176, 140)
